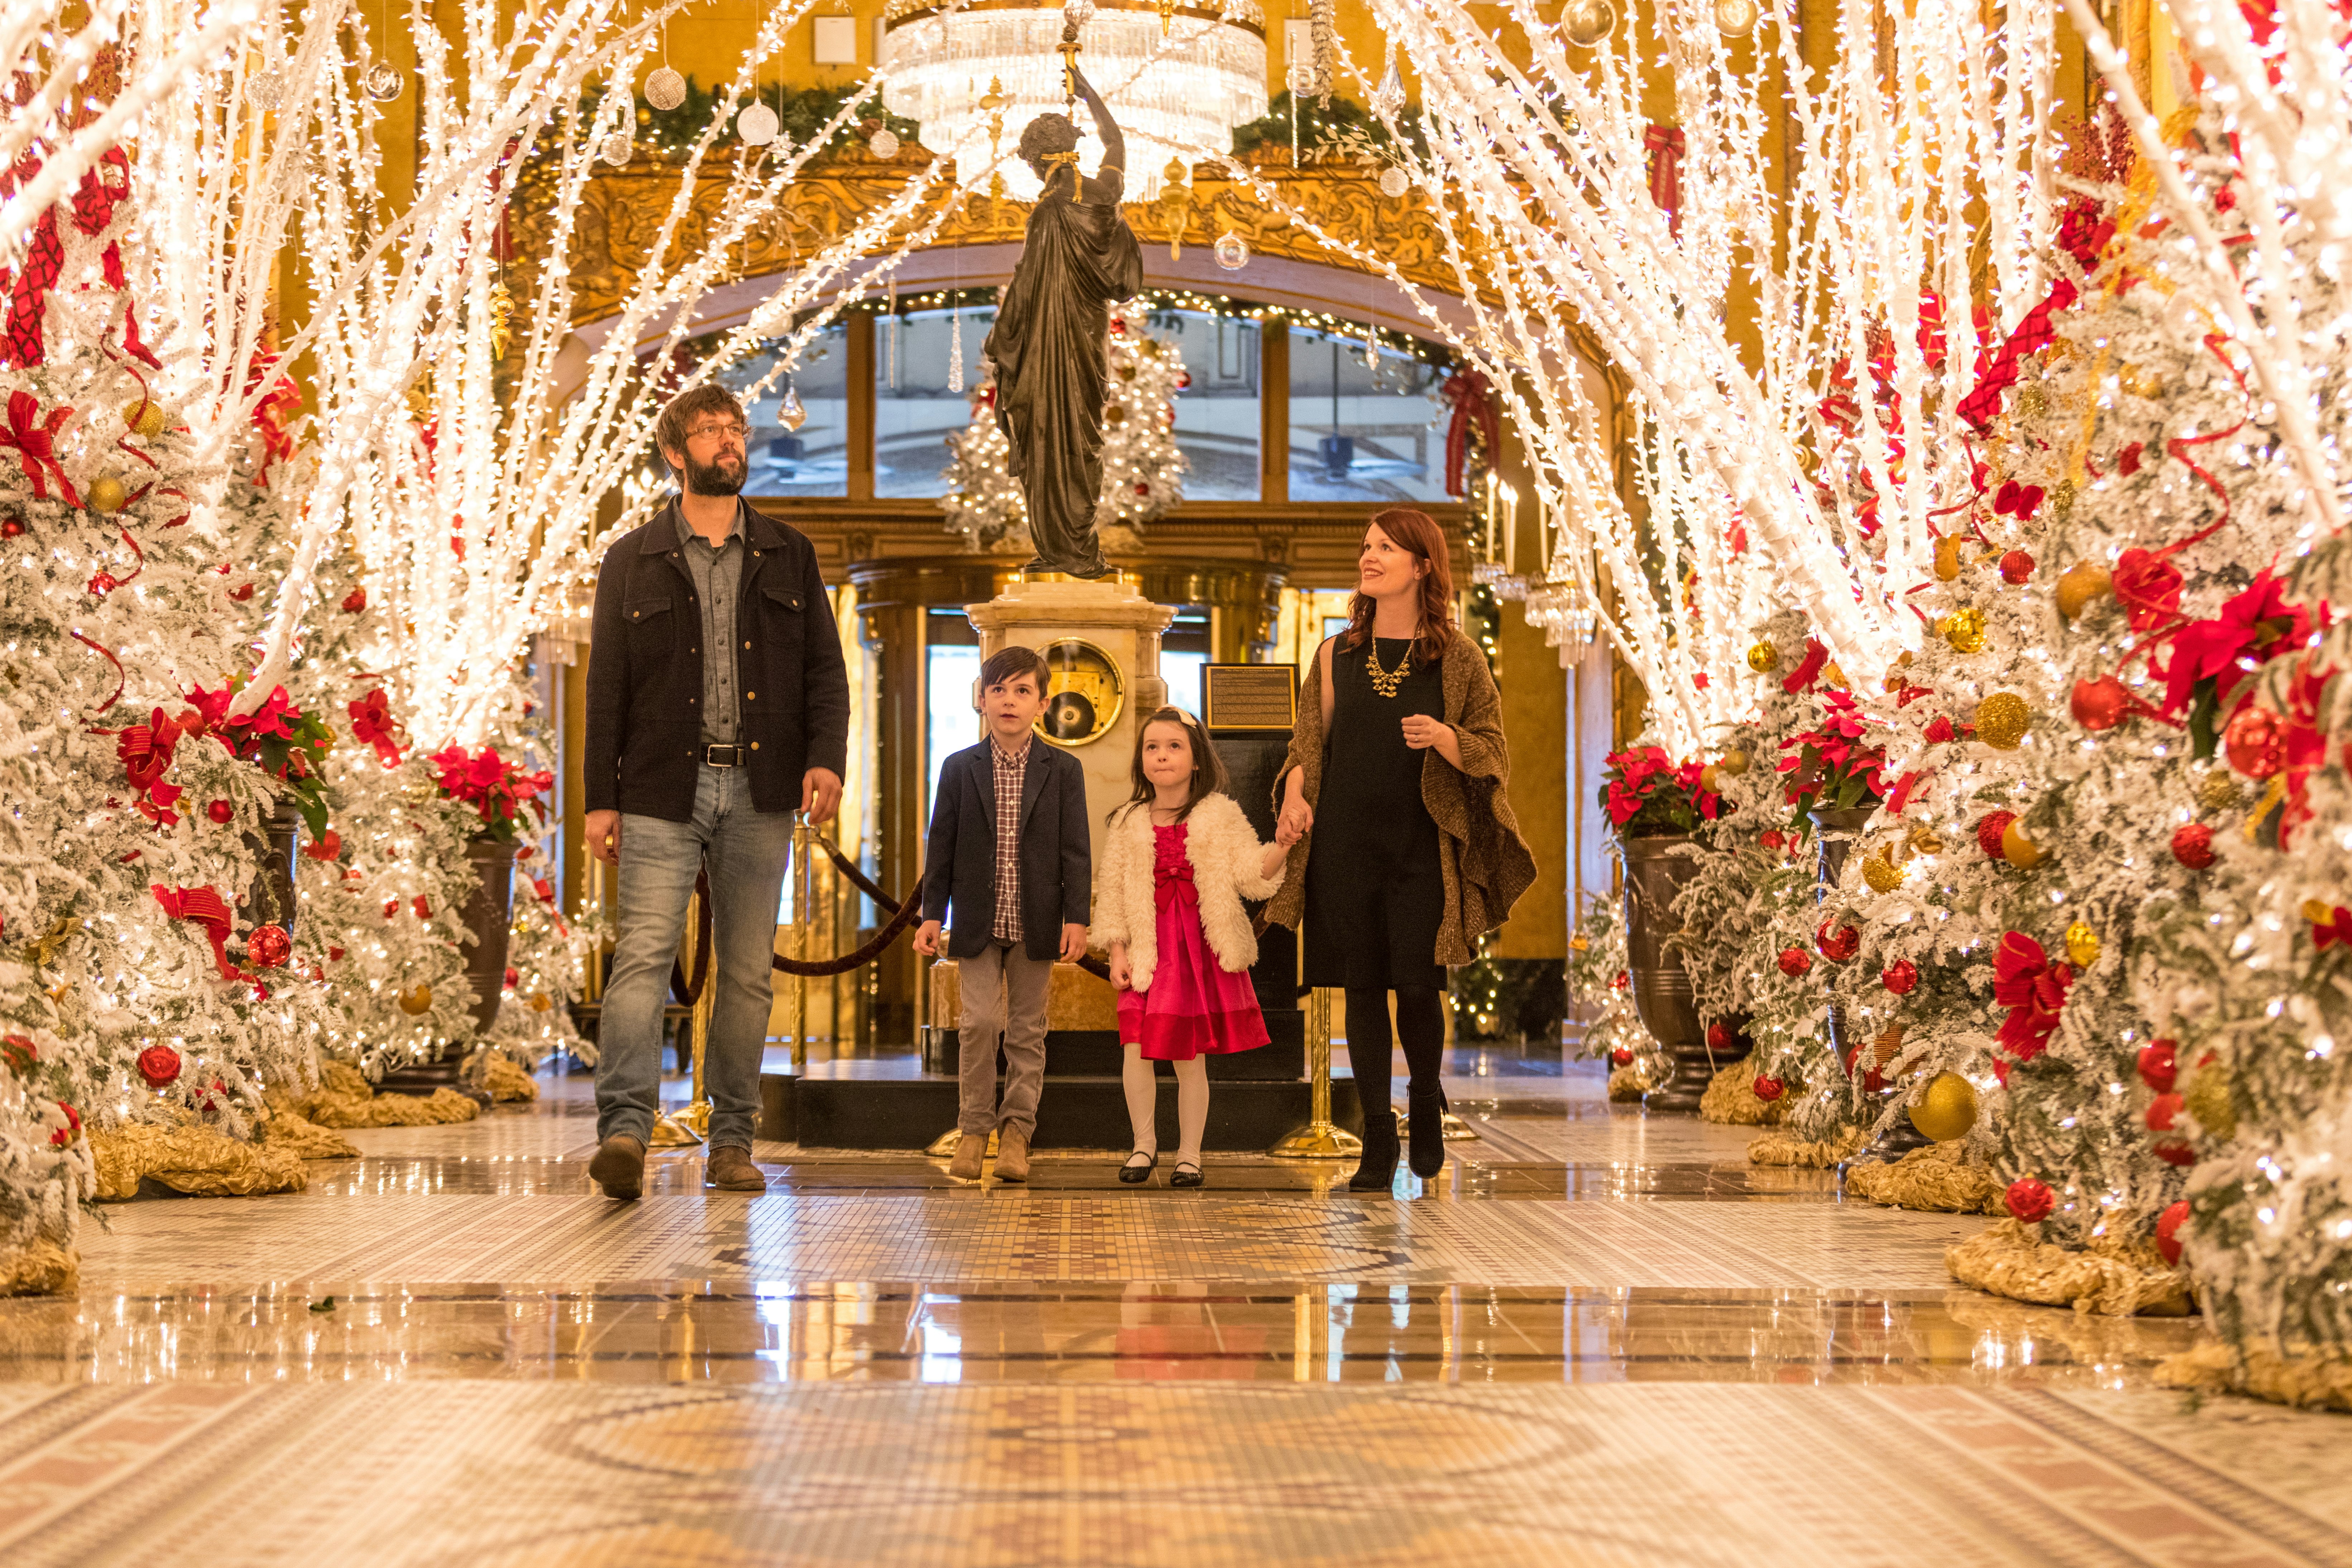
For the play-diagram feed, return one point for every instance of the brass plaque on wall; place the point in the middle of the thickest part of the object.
(1249, 697)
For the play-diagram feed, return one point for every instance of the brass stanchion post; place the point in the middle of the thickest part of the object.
(801, 889)
(1319, 1139)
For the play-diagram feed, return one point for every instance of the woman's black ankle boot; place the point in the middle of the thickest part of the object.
(1378, 1168)
(1426, 1115)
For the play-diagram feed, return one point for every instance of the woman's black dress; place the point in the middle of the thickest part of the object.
(1375, 894)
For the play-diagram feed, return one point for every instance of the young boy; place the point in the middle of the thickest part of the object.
(1011, 850)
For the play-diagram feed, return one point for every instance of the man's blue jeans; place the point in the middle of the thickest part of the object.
(746, 852)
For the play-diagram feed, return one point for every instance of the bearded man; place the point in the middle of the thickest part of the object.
(717, 705)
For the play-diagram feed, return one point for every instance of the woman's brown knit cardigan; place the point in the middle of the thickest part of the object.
(1487, 864)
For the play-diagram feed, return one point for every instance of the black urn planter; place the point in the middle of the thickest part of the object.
(1900, 1138)
(1655, 870)
(270, 900)
(488, 915)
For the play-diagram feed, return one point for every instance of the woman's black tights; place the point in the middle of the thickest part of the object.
(1419, 1023)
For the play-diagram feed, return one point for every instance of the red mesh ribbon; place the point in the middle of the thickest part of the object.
(1474, 406)
(34, 441)
(206, 907)
(2033, 989)
(28, 292)
(1808, 669)
(1665, 143)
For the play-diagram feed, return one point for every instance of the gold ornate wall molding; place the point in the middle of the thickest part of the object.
(623, 211)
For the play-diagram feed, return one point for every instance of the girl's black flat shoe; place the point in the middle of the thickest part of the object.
(1132, 1173)
(1187, 1174)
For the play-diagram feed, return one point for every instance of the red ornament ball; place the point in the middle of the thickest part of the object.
(12, 527)
(2168, 1229)
(2016, 566)
(1718, 1036)
(1624, 978)
(221, 811)
(1772, 838)
(2192, 845)
(66, 1134)
(1838, 945)
(1902, 977)
(103, 583)
(2159, 1065)
(2163, 1116)
(513, 977)
(159, 1065)
(2255, 742)
(1623, 1056)
(1990, 827)
(356, 600)
(2100, 704)
(1795, 962)
(268, 946)
(1141, 489)
(1184, 380)
(1768, 1088)
(2029, 1199)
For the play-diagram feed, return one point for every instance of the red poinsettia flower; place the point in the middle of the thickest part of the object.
(2253, 626)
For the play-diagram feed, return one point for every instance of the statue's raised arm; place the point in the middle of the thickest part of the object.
(1109, 182)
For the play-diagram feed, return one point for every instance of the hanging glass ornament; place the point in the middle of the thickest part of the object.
(384, 81)
(1394, 182)
(1389, 97)
(756, 126)
(264, 90)
(664, 89)
(883, 144)
(1232, 251)
(792, 414)
(1585, 23)
(1735, 18)
(955, 351)
(617, 148)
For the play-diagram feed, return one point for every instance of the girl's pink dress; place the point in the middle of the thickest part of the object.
(1193, 1007)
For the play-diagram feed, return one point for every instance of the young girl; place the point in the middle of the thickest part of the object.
(1179, 860)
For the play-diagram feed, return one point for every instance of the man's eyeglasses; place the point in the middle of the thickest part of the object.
(719, 429)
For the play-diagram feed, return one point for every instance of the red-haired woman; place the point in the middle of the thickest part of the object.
(1399, 767)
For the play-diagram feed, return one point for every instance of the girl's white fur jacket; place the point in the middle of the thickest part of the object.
(1226, 856)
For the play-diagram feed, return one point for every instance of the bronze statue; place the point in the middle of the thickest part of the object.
(1079, 257)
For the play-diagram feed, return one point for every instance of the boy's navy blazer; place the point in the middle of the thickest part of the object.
(1057, 850)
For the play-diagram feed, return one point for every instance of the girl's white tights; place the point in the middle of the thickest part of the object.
(1136, 1076)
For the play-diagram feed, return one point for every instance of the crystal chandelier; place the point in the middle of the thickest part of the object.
(1177, 76)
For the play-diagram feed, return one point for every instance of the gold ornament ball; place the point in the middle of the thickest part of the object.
(1833, 675)
(541, 1002)
(1947, 559)
(2082, 945)
(416, 1000)
(1585, 23)
(2085, 584)
(2018, 850)
(1763, 658)
(2033, 400)
(2207, 1099)
(144, 416)
(1964, 630)
(107, 494)
(2217, 791)
(1946, 1108)
(1733, 761)
(1735, 18)
(2062, 501)
(1708, 781)
(2002, 719)
(1883, 874)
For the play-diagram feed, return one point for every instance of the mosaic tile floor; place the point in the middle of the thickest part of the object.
(1596, 1338)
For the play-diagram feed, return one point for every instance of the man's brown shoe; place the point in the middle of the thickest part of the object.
(619, 1166)
(729, 1170)
(965, 1166)
(1011, 1155)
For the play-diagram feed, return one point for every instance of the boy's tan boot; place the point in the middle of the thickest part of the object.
(965, 1166)
(1011, 1155)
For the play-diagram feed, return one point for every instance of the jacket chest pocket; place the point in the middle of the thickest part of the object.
(783, 613)
(649, 619)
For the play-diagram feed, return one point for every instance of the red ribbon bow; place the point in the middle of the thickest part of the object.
(2033, 989)
(1172, 887)
(205, 907)
(1665, 143)
(35, 443)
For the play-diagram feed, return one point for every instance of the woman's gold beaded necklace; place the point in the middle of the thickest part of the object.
(1387, 682)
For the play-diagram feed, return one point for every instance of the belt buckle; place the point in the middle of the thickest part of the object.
(734, 755)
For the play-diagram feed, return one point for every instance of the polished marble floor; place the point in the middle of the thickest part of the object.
(1596, 1337)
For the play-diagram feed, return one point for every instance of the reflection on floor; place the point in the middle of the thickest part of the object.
(1596, 1337)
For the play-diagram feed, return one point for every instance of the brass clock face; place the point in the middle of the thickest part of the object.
(1084, 692)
